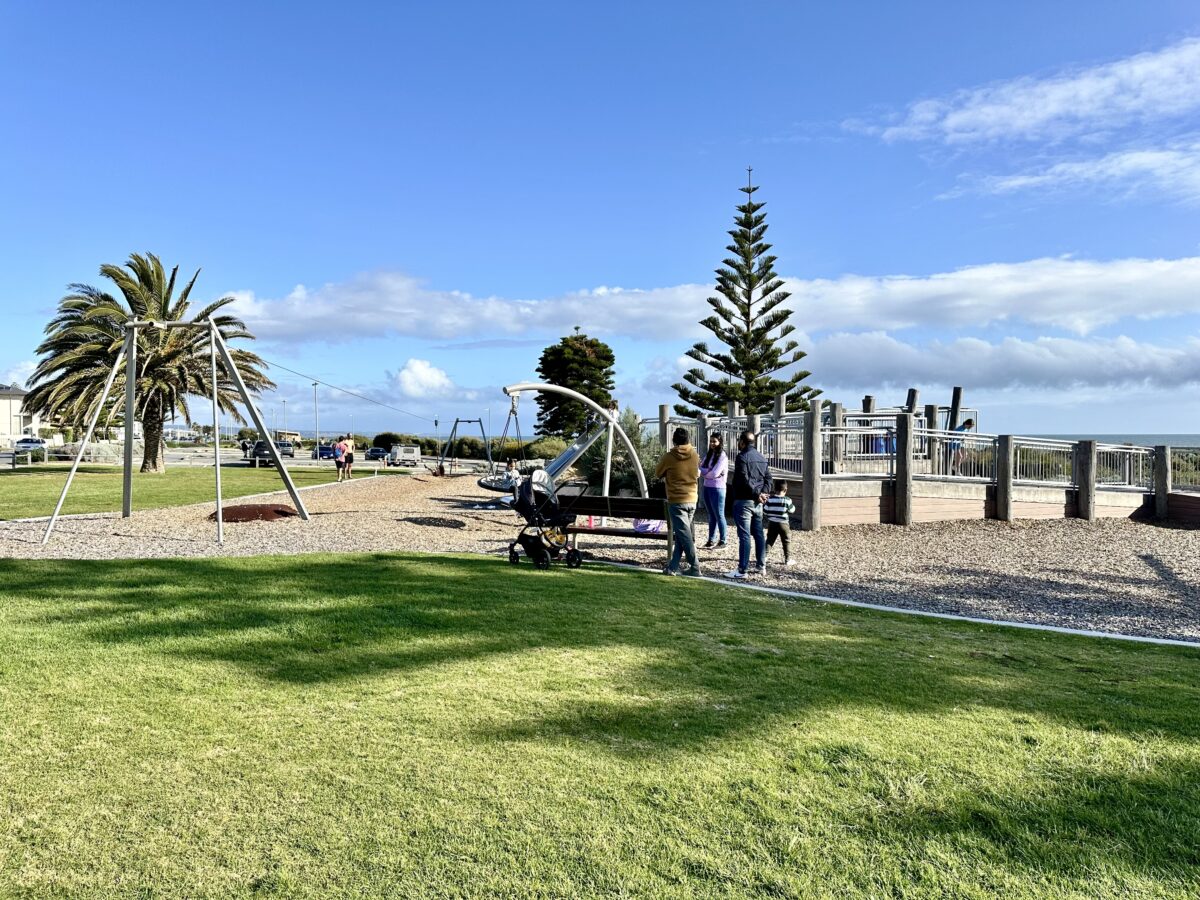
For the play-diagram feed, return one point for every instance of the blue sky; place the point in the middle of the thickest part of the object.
(413, 201)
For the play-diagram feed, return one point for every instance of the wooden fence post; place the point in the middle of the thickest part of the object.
(1085, 479)
(955, 407)
(868, 405)
(934, 445)
(1162, 480)
(904, 469)
(701, 435)
(1004, 478)
(664, 416)
(810, 490)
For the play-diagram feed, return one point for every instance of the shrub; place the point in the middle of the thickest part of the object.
(546, 448)
(385, 440)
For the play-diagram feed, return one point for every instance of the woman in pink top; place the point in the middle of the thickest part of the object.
(713, 469)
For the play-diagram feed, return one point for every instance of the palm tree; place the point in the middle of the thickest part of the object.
(85, 336)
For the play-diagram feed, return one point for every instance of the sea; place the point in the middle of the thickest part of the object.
(1141, 440)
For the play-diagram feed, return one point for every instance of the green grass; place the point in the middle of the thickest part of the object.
(34, 491)
(407, 726)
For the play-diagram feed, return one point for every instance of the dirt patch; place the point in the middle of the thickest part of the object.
(254, 512)
(435, 522)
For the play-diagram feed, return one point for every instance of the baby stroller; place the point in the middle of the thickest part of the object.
(546, 511)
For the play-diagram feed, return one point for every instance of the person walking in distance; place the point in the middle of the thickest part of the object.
(715, 470)
(958, 447)
(348, 445)
(339, 457)
(751, 487)
(778, 513)
(680, 468)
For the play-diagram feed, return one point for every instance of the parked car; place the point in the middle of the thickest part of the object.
(286, 448)
(376, 453)
(29, 443)
(325, 451)
(262, 452)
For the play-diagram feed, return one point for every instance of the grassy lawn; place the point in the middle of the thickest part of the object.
(408, 726)
(34, 491)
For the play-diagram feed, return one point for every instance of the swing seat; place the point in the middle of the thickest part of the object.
(498, 482)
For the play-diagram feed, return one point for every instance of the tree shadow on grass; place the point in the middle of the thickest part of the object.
(705, 666)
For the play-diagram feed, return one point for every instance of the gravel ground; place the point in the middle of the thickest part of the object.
(1113, 575)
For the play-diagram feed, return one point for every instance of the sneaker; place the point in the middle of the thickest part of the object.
(735, 574)
(720, 545)
(708, 546)
(693, 573)
(667, 570)
(760, 570)
(787, 563)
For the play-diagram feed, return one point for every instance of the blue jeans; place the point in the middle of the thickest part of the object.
(748, 517)
(682, 515)
(714, 504)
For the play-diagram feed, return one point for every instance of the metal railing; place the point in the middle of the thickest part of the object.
(964, 455)
(1043, 461)
(1125, 465)
(1185, 468)
(859, 451)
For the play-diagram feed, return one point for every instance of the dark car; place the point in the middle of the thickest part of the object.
(262, 452)
(376, 453)
(325, 451)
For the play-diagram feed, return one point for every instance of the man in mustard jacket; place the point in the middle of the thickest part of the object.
(680, 468)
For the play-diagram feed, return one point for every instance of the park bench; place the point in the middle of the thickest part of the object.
(618, 508)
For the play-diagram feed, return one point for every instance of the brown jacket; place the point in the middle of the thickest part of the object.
(680, 466)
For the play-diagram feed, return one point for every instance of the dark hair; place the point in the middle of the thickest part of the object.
(781, 487)
(680, 437)
(749, 437)
(970, 423)
(713, 455)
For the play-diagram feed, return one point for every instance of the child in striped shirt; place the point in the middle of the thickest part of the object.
(777, 512)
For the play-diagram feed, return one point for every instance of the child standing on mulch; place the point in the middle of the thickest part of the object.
(778, 512)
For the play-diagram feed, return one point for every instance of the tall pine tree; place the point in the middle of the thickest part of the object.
(582, 364)
(751, 323)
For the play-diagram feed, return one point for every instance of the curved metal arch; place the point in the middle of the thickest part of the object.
(591, 404)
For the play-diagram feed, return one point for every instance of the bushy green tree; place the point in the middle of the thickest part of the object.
(584, 365)
(385, 440)
(751, 322)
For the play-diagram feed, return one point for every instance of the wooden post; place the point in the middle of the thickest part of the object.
(1162, 480)
(904, 469)
(837, 441)
(664, 416)
(955, 406)
(1004, 478)
(1085, 479)
(701, 435)
(868, 405)
(933, 448)
(731, 409)
(780, 407)
(910, 404)
(810, 491)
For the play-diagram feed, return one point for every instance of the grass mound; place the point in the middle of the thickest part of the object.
(394, 725)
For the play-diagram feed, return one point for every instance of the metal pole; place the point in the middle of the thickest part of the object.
(83, 446)
(212, 352)
(285, 415)
(130, 400)
(316, 427)
(258, 422)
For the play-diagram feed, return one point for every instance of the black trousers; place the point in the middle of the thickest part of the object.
(783, 531)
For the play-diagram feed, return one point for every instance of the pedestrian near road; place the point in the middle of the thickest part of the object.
(751, 487)
(680, 468)
(348, 448)
(339, 457)
(715, 471)
(778, 513)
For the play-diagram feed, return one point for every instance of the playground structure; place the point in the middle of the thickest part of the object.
(128, 355)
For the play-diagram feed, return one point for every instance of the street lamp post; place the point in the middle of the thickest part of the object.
(316, 427)
(285, 415)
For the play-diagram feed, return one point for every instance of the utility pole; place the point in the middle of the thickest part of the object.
(285, 415)
(316, 427)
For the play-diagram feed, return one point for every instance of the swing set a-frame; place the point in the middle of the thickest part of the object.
(128, 354)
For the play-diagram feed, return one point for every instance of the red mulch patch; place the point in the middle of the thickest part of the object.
(254, 512)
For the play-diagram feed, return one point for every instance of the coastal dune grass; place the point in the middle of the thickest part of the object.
(402, 725)
(25, 493)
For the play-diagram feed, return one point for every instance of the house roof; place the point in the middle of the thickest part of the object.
(12, 390)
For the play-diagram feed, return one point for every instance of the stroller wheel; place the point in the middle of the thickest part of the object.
(574, 558)
(542, 562)
(513, 556)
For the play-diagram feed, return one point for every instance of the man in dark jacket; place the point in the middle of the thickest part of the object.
(751, 486)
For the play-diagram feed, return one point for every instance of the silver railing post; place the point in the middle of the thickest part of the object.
(130, 405)
(212, 352)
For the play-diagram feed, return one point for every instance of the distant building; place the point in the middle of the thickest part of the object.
(15, 423)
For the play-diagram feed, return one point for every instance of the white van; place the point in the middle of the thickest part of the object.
(408, 455)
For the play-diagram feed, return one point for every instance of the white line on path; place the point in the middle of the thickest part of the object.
(879, 607)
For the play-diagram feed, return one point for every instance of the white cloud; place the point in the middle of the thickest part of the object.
(874, 360)
(1070, 294)
(421, 380)
(1143, 88)
(1173, 171)
(18, 373)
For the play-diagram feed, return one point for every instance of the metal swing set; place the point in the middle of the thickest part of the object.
(128, 354)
